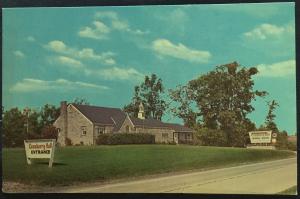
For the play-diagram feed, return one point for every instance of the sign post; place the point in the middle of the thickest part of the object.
(259, 137)
(262, 139)
(40, 149)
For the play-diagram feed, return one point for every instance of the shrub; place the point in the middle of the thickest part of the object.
(68, 142)
(126, 138)
(210, 137)
(32, 136)
(281, 140)
(49, 132)
(292, 146)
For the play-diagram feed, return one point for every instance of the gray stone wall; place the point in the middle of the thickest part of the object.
(127, 124)
(107, 129)
(162, 135)
(76, 124)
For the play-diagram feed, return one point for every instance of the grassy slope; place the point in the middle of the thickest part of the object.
(87, 164)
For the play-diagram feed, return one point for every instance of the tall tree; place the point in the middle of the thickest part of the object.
(150, 94)
(270, 118)
(183, 108)
(14, 130)
(133, 108)
(223, 97)
(49, 114)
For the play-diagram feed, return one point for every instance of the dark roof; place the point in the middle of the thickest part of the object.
(116, 117)
(103, 115)
(153, 123)
(148, 122)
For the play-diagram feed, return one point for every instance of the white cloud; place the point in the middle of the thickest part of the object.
(73, 63)
(180, 51)
(115, 23)
(58, 46)
(110, 61)
(85, 53)
(19, 54)
(116, 73)
(88, 53)
(99, 31)
(120, 25)
(279, 69)
(33, 85)
(30, 38)
(266, 30)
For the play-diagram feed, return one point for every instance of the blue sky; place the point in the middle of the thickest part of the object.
(101, 53)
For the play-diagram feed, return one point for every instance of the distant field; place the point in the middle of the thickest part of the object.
(101, 163)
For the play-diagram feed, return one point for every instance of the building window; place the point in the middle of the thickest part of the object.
(165, 136)
(100, 130)
(127, 129)
(83, 130)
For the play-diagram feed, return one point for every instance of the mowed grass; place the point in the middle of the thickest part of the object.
(102, 163)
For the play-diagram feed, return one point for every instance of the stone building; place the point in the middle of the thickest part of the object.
(82, 124)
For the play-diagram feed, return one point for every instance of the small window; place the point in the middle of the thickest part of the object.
(165, 136)
(127, 129)
(83, 130)
(100, 130)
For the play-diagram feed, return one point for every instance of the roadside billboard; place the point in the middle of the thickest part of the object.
(40, 149)
(257, 137)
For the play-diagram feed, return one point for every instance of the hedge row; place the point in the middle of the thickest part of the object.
(126, 138)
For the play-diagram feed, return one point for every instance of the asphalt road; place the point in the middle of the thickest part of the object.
(260, 178)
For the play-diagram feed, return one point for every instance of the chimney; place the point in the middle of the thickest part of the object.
(141, 114)
(64, 116)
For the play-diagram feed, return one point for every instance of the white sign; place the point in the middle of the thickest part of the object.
(260, 137)
(43, 148)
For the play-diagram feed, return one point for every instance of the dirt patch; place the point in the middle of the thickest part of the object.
(16, 187)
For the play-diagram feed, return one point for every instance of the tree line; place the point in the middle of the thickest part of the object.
(18, 125)
(216, 105)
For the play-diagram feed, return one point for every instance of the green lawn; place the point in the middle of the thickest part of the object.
(88, 164)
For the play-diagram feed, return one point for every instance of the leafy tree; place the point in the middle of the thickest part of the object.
(269, 121)
(211, 137)
(182, 97)
(150, 94)
(223, 97)
(282, 140)
(49, 132)
(15, 122)
(34, 124)
(133, 108)
(49, 114)
(14, 130)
